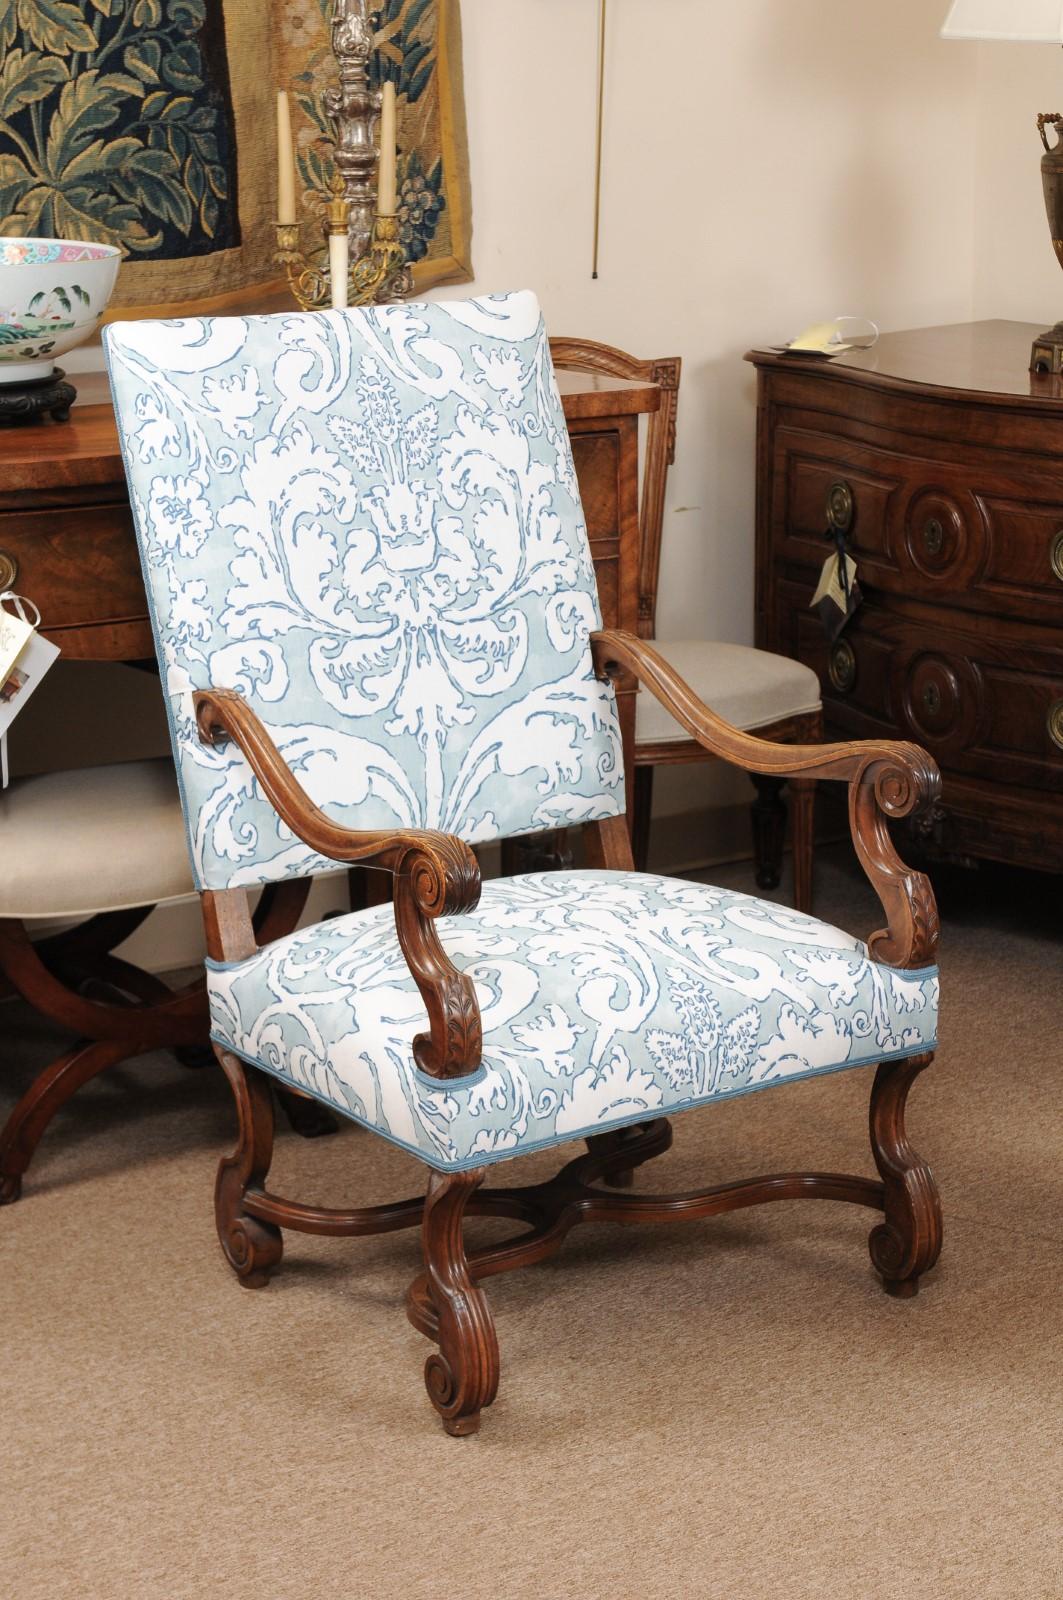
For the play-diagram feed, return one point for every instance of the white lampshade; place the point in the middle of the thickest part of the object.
(1035, 21)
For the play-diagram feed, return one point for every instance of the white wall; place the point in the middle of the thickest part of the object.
(1016, 274)
(768, 163)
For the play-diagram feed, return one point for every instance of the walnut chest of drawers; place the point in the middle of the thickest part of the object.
(943, 457)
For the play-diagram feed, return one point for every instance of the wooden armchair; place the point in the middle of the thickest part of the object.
(378, 641)
(757, 691)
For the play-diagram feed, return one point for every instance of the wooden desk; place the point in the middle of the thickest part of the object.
(67, 541)
(950, 457)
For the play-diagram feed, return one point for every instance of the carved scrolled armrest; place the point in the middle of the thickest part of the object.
(436, 875)
(887, 779)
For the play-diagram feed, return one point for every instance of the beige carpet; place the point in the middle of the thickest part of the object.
(729, 1410)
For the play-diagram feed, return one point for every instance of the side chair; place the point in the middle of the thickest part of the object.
(377, 621)
(755, 690)
(97, 850)
(89, 854)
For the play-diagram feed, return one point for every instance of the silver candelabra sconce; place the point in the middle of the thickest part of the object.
(361, 259)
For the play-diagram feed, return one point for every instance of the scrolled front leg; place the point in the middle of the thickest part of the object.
(908, 1242)
(462, 1377)
(252, 1248)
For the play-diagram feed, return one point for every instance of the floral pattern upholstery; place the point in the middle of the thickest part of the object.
(607, 998)
(368, 522)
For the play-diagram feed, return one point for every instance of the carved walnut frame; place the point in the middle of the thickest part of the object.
(435, 875)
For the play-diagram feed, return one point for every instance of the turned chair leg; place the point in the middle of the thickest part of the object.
(628, 1148)
(306, 1116)
(252, 1248)
(768, 812)
(462, 1377)
(908, 1243)
(802, 834)
(641, 817)
(27, 1122)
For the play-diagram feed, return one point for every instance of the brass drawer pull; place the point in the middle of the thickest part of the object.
(933, 537)
(842, 667)
(1055, 724)
(8, 570)
(1056, 556)
(840, 506)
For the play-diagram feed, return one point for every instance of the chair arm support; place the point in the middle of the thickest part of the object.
(887, 779)
(436, 874)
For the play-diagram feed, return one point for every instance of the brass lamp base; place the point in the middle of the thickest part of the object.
(1047, 353)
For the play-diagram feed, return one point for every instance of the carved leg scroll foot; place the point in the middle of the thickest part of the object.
(252, 1248)
(908, 1243)
(462, 1377)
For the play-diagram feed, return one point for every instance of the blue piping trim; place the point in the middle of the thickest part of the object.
(486, 1159)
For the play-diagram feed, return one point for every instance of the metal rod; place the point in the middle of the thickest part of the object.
(598, 137)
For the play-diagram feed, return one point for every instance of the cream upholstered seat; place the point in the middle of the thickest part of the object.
(749, 688)
(122, 845)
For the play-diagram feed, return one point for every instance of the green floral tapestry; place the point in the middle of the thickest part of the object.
(149, 124)
(116, 123)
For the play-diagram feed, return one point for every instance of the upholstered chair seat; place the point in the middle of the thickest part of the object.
(103, 839)
(607, 998)
(749, 688)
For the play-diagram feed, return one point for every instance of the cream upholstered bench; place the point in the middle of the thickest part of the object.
(98, 847)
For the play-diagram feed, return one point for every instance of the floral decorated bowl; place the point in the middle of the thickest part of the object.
(53, 293)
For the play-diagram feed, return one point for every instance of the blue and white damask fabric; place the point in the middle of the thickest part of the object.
(607, 998)
(368, 522)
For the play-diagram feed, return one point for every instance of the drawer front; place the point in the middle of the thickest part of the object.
(987, 707)
(80, 567)
(985, 535)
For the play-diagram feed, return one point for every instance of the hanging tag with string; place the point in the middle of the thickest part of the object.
(837, 594)
(24, 659)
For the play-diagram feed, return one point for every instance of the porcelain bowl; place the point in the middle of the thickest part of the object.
(53, 293)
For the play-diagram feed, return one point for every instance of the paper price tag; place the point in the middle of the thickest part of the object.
(16, 630)
(24, 659)
(837, 594)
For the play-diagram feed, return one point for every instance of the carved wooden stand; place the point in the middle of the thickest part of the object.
(446, 1302)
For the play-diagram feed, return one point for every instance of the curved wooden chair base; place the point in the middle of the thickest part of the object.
(446, 1302)
(117, 1011)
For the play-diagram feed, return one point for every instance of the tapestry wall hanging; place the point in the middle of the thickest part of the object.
(149, 124)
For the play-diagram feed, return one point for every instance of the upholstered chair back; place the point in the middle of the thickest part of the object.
(368, 523)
